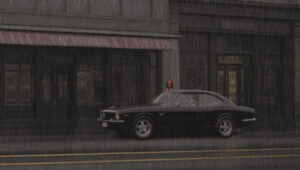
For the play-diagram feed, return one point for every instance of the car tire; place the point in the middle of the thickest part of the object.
(225, 126)
(142, 127)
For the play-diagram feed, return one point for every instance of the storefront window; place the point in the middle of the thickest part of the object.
(84, 88)
(89, 86)
(17, 84)
(46, 83)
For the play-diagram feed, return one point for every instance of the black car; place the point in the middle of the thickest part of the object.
(179, 108)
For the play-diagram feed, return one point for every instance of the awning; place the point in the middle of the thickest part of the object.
(82, 40)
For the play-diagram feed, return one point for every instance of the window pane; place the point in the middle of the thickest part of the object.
(62, 87)
(165, 98)
(11, 87)
(98, 85)
(11, 67)
(220, 82)
(17, 84)
(207, 99)
(188, 100)
(232, 86)
(85, 88)
(81, 90)
(46, 88)
(25, 87)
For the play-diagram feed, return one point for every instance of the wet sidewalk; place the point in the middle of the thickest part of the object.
(108, 141)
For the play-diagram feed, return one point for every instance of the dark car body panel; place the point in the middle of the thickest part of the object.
(184, 116)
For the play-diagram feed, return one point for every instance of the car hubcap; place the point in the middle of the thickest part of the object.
(143, 128)
(225, 127)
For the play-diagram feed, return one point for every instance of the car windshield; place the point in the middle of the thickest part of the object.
(165, 98)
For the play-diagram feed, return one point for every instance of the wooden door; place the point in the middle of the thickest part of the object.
(230, 78)
(57, 96)
(229, 83)
(61, 87)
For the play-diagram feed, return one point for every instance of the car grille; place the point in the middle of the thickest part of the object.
(108, 115)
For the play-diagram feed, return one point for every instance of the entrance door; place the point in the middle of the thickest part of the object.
(229, 82)
(57, 98)
(62, 90)
(230, 78)
(271, 91)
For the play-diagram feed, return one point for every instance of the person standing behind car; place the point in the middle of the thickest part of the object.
(169, 86)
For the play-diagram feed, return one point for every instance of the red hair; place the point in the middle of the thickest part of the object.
(169, 84)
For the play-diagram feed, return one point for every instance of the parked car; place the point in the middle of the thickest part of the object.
(179, 108)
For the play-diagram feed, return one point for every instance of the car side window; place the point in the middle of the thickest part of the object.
(208, 99)
(187, 100)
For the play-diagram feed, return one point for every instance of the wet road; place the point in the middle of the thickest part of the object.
(255, 158)
(244, 151)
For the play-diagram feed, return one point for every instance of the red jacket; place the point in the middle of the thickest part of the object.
(167, 89)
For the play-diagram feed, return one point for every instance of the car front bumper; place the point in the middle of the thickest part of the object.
(249, 120)
(111, 123)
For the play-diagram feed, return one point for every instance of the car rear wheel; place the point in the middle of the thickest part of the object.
(225, 126)
(143, 127)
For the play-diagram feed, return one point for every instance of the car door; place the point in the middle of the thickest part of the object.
(209, 104)
(188, 110)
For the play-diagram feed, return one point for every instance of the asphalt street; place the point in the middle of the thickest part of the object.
(260, 158)
(246, 151)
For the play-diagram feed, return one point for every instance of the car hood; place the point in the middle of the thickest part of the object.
(135, 109)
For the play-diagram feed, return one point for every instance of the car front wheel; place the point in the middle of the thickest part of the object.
(225, 126)
(143, 127)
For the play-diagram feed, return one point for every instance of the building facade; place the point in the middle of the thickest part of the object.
(63, 60)
(245, 50)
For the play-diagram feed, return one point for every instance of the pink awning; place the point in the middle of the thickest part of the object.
(82, 40)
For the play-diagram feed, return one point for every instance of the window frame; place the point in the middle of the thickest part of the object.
(18, 69)
(213, 96)
(92, 74)
(199, 104)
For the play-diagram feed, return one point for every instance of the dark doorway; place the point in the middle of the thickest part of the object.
(58, 97)
(271, 92)
(62, 86)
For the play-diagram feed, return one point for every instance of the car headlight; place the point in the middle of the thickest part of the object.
(100, 116)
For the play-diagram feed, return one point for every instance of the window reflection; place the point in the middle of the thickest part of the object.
(17, 84)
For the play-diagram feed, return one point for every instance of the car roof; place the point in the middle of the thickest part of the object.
(186, 91)
(194, 91)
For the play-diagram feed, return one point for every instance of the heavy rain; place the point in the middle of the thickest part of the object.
(150, 84)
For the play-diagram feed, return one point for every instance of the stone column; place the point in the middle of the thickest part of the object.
(171, 65)
(297, 72)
